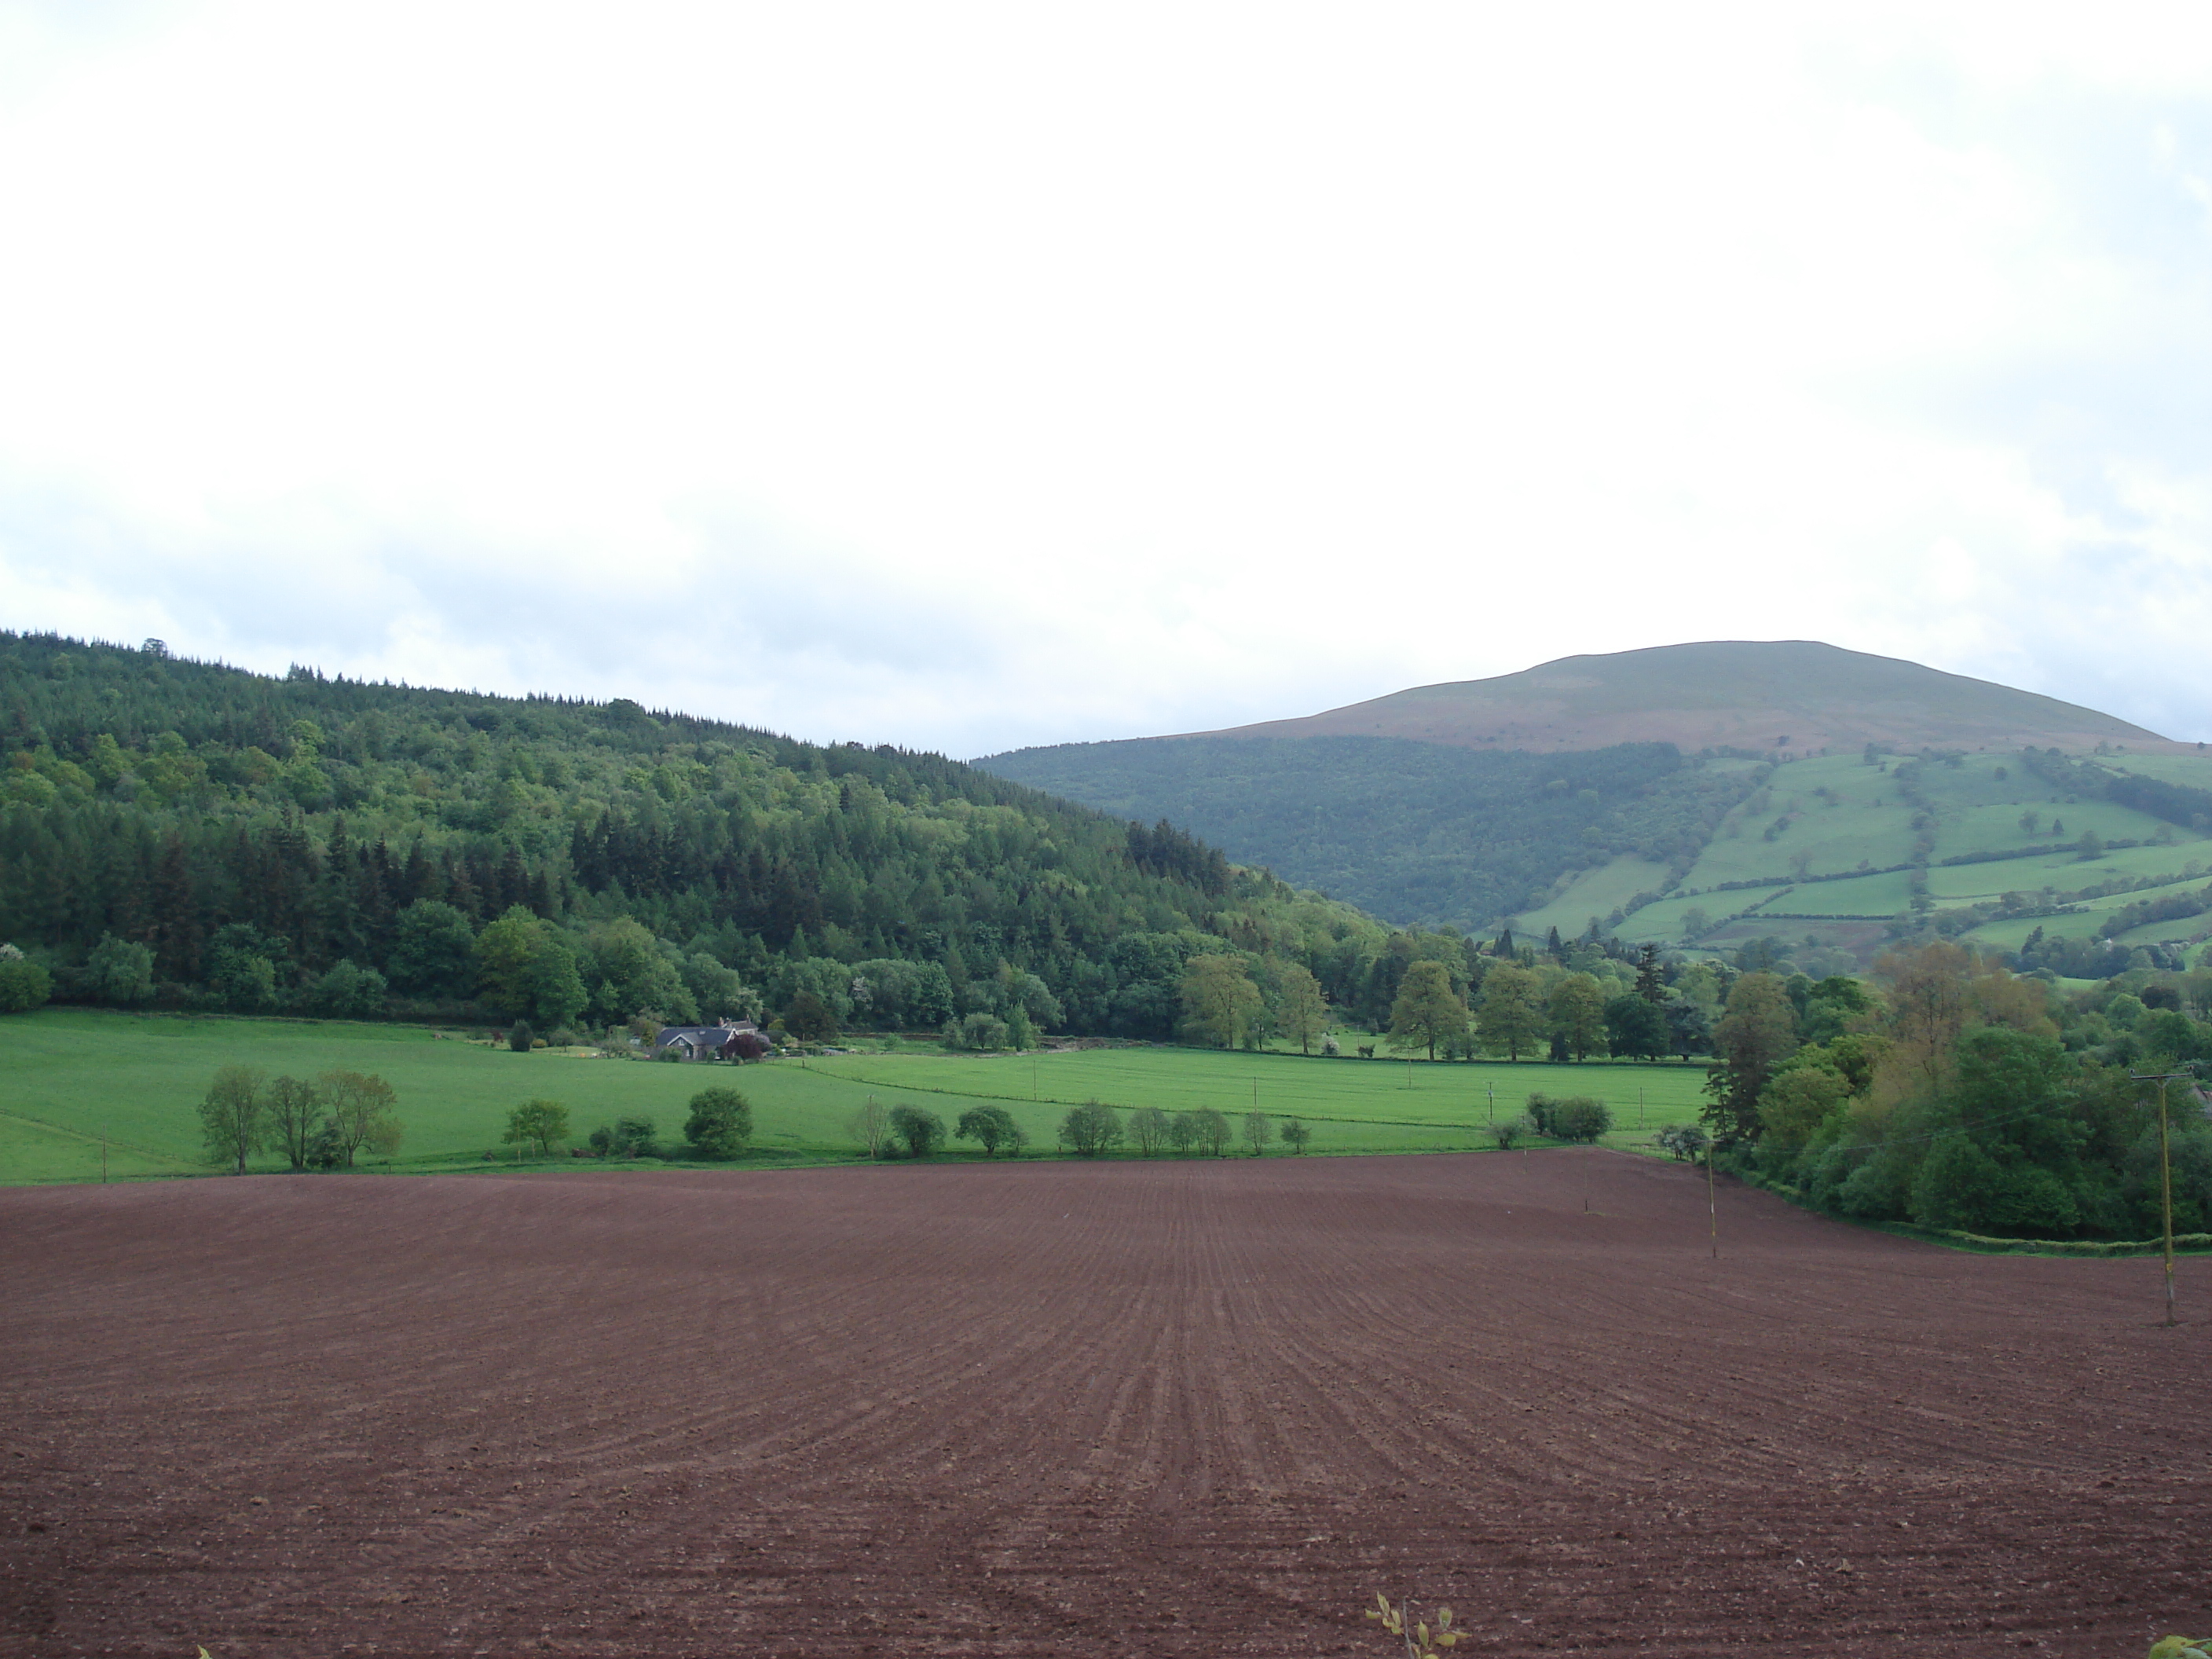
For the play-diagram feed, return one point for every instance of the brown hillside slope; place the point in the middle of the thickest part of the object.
(1794, 695)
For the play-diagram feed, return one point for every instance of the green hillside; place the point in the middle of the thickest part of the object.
(1839, 853)
(190, 836)
(1985, 848)
(1421, 833)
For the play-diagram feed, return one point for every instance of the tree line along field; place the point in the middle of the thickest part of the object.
(76, 1074)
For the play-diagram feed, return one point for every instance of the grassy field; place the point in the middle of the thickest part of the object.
(73, 1074)
(1595, 893)
(1846, 811)
(2194, 770)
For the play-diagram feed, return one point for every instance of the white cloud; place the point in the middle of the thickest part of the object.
(969, 376)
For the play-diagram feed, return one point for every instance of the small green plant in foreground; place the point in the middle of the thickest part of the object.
(1421, 1641)
(2182, 1647)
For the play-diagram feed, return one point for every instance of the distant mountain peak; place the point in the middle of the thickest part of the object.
(1797, 696)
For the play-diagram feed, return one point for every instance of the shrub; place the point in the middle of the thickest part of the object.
(1091, 1129)
(1507, 1132)
(1684, 1141)
(720, 1124)
(23, 986)
(630, 1137)
(920, 1132)
(977, 1031)
(1578, 1117)
(519, 1036)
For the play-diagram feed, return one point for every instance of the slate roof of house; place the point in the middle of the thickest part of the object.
(695, 1035)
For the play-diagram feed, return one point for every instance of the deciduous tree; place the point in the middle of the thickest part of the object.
(1210, 1131)
(1091, 1129)
(1511, 1015)
(537, 1123)
(295, 1113)
(1757, 1030)
(1635, 1029)
(1259, 1130)
(1303, 1017)
(1148, 1128)
(235, 1115)
(1576, 1011)
(1219, 1000)
(809, 1019)
(1297, 1135)
(523, 969)
(1426, 1011)
(990, 1128)
(119, 971)
(871, 1125)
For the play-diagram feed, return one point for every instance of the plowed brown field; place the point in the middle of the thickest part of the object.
(1061, 1408)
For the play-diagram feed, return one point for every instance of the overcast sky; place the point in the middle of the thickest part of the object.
(967, 377)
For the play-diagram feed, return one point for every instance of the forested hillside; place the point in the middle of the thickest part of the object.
(1420, 833)
(194, 834)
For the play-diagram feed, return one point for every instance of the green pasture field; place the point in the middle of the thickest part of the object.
(73, 1073)
(1593, 893)
(2194, 771)
(1863, 817)
(2067, 870)
(1354, 1105)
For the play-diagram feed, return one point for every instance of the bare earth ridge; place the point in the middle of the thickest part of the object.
(1058, 1408)
(1781, 696)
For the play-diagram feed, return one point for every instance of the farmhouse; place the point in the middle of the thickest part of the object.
(733, 1039)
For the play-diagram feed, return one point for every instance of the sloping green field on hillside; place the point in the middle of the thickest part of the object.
(2020, 834)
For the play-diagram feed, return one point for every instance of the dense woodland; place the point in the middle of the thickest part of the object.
(1420, 832)
(1949, 1093)
(192, 835)
(1944, 1089)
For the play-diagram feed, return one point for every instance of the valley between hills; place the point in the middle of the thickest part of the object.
(1882, 799)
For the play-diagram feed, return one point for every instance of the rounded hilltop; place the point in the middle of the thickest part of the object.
(1799, 695)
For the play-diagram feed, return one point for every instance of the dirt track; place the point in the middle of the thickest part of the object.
(1055, 1408)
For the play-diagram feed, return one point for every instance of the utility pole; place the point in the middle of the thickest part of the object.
(1712, 1201)
(2165, 1173)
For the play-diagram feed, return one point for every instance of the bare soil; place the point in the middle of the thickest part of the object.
(1187, 1407)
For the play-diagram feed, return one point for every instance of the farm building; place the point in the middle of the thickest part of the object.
(737, 1039)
